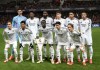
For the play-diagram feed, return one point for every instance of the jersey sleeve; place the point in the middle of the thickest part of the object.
(38, 22)
(51, 22)
(39, 30)
(13, 22)
(30, 32)
(25, 19)
(89, 25)
(77, 33)
(66, 22)
(4, 35)
(27, 22)
(78, 25)
(19, 35)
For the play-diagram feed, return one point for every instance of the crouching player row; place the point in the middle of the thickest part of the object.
(68, 39)
(10, 39)
(76, 41)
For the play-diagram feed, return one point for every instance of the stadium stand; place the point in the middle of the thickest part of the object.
(8, 10)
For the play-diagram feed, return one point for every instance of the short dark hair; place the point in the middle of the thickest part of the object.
(9, 22)
(71, 25)
(23, 22)
(84, 12)
(58, 23)
(45, 12)
(31, 11)
(43, 21)
(19, 9)
(58, 12)
(72, 12)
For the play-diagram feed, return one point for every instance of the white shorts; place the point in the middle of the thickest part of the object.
(49, 41)
(8, 45)
(40, 42)
(76, 45)
(87, 39)
(63, 45)
(55, 39)
(26, 43)
(33, 36)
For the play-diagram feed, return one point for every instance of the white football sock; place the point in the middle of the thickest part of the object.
(91, 52)
(51, 49)
(6, 54)
(45, 51)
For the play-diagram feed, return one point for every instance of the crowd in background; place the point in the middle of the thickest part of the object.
(48, 5)
(95, 16)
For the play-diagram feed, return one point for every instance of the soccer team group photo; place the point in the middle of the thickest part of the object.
(53, 34)
(70, 33)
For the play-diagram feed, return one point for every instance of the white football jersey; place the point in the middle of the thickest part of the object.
(49, 21)
(46, 32)
(33, 25)
(25, 35)
(61, 20)
(85, 26)
(75, 37)
(62, 35)
(75, 22)
(10, 34)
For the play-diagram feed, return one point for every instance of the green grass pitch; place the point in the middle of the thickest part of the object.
(46, 65)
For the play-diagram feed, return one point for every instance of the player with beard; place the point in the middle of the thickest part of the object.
(47, 35)
(49, 24)
(33, 23)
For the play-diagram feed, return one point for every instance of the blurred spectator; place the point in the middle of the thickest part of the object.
(13, 5)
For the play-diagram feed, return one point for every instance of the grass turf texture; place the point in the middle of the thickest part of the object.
(46, 65)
